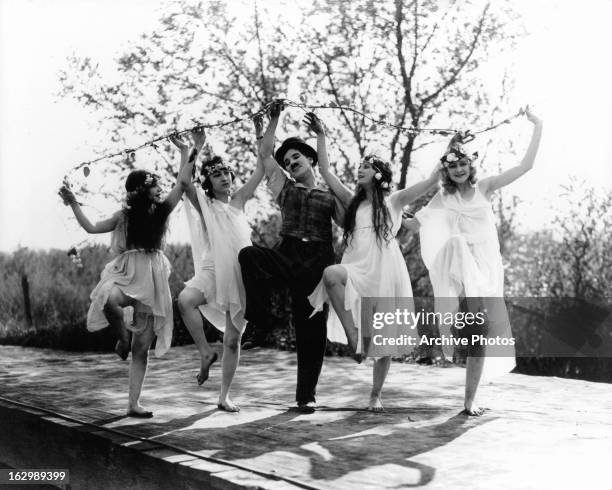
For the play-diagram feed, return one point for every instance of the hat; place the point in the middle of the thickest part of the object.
(140, 178)
(295, 143)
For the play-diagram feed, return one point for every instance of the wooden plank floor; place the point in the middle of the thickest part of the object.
(539, 432)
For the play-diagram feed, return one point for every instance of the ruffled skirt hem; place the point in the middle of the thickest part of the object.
(143, 277)
(215, 311)
(352, 303)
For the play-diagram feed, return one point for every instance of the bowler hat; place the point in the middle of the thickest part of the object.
(295, 143)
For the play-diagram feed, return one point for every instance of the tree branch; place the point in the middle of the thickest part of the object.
(436, 26)
(264, 83)
(447, 83)
(239, 71)
(336, 96)
(399, 41)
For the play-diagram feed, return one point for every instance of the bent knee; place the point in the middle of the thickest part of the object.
(188, 299)
(332, 276)
(183, 300)
(245, 256)
(116, 298)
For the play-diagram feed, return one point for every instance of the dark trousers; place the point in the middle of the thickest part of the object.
(299, 266)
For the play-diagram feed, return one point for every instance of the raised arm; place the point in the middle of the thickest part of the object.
(103, 226)
(409, 194)
(342, 192)
(493, 183)
(274, 173)
(178, 141)
(188, 160)
(245, 193)
(258, 123)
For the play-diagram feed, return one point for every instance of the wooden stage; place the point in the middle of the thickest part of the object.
(539, 432)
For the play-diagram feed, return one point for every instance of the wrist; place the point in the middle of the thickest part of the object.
(193, 154)
(68, 200)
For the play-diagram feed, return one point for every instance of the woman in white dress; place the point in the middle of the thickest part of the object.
(219, 230)
(138, 276)
(372, 265)
(460, 247)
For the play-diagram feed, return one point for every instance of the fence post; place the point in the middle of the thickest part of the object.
(25, 286)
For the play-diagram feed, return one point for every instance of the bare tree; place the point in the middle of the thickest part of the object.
(202, 64)
(409, 63)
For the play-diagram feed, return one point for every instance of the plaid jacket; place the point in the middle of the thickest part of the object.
(307, 213)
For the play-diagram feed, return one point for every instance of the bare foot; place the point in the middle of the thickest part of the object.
(375, 404)
(122, 349)
(139, 412)
(202, 376)
(228, 405)
(444, 362)
(473, 411)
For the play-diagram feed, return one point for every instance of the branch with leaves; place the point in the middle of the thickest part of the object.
(129, 152)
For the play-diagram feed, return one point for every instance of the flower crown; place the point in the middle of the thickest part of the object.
(208, 170)
(150, 180)
(457, 153)
(375, 162)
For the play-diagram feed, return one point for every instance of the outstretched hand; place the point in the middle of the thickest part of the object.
(455, 140)
(314, 123)
(199, 137)
(531, 117)
(177, 140)
(460, 138)
(276, 108)
(66, 194)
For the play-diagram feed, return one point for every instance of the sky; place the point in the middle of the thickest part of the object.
(563, 68)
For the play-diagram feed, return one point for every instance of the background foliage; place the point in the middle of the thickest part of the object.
(572, 259)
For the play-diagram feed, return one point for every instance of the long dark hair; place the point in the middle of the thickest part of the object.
(381, 219)
(146, 220)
